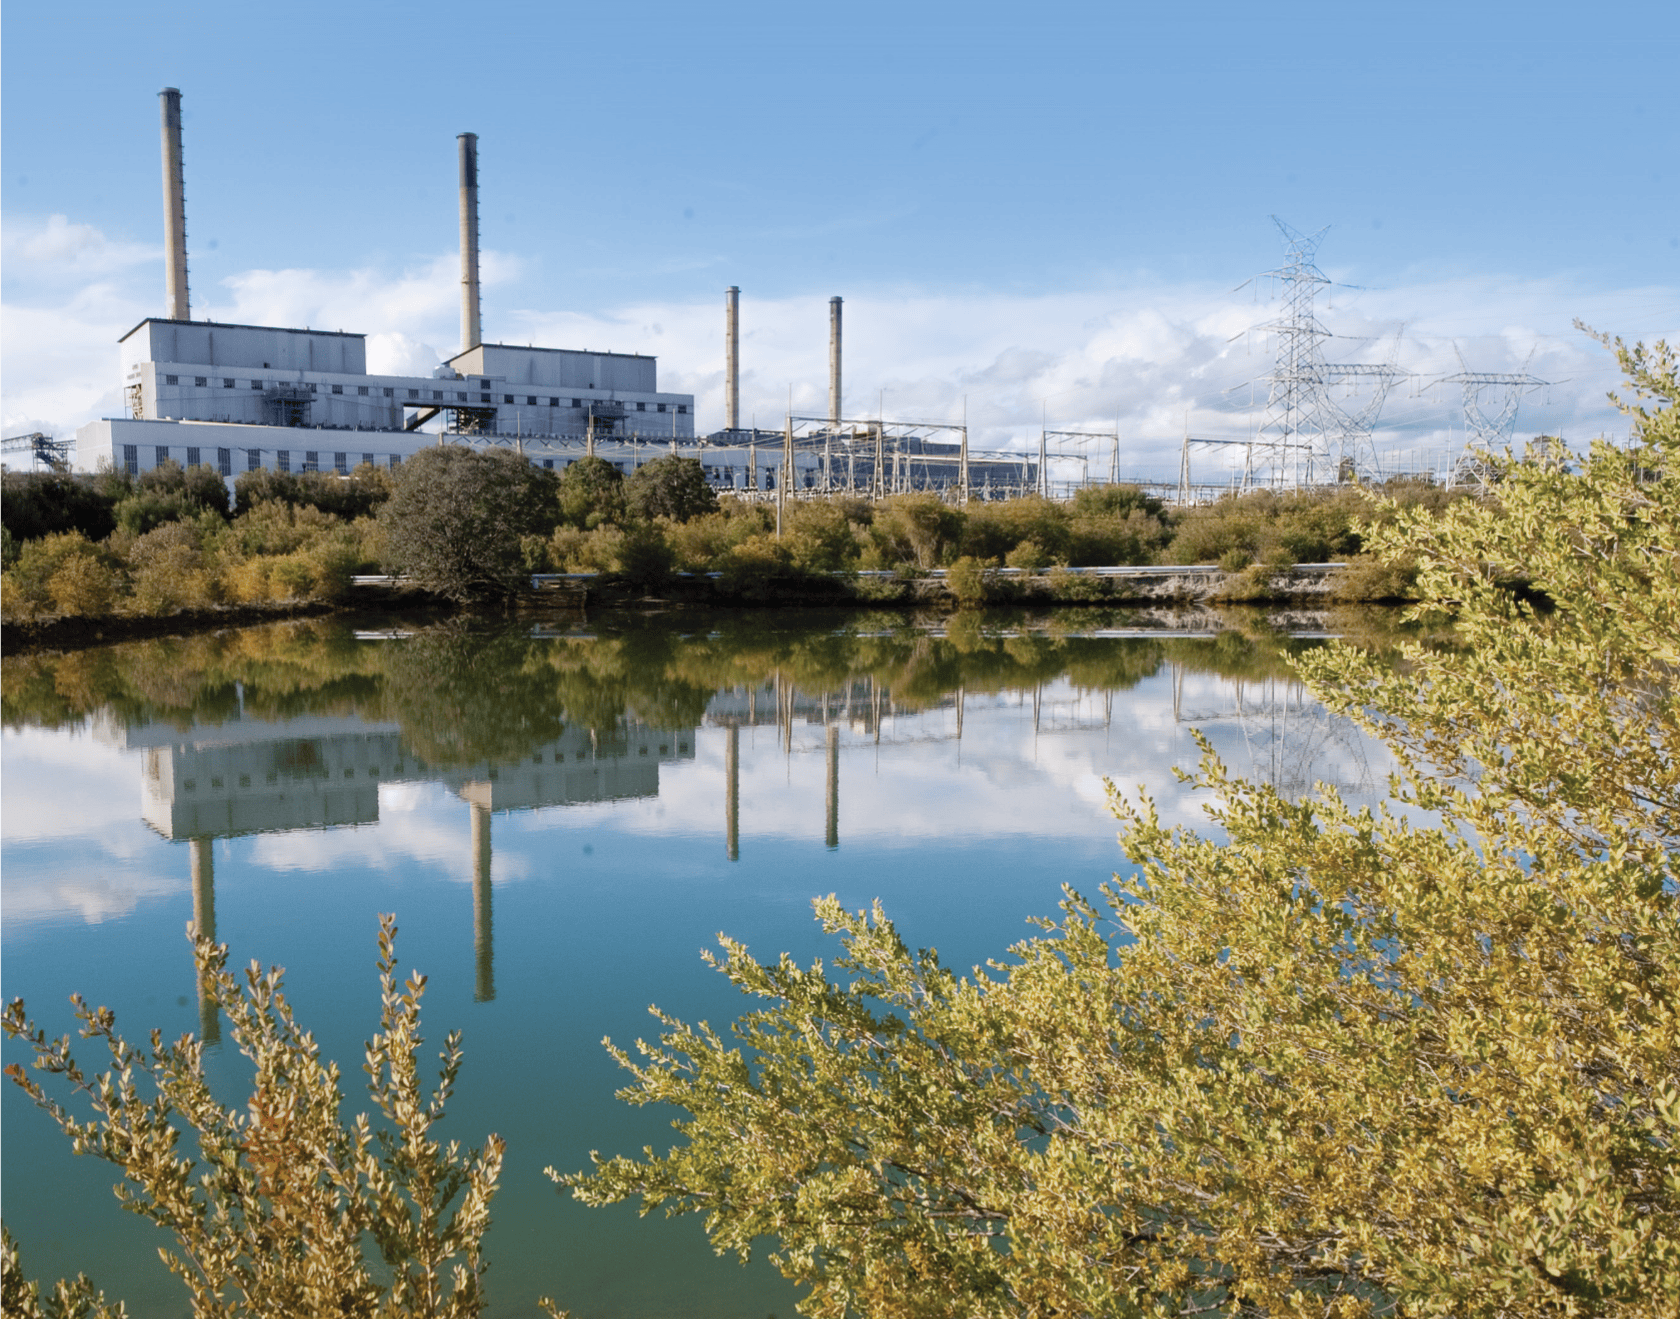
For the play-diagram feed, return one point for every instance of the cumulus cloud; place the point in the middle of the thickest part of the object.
(1153, 360)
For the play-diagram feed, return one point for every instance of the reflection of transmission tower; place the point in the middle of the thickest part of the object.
(1485, 430)
(1305, 437)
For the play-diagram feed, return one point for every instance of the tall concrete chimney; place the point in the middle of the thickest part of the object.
(732, 359)
(470, 335)
(174, 208)
(834, 361)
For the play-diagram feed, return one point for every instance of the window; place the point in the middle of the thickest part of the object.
(341, 464)
(161, 454)
(437, 394)
(361, 389)
(283, 460)
(313, 387)
(662, 407)
(485, 398)
(396, 460)
(389, 392)
(256, 384)
(548, 463)
(172, 380)
(201, 381)
(131, 459)
(311, 460)
(641, 407)
(508, 398)
(368, 459)
(682, 407)
(484, 384)
(553, 402)
(338, 389)
(192, 456)
(253, 460)
(531, 400)
(224, 462)
(460, 397)
(577, 402)
(227, 384)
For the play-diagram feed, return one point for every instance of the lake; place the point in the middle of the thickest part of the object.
(562, 816)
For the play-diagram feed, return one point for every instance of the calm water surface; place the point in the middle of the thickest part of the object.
(562, 818)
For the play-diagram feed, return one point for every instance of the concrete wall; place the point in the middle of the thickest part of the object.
(245, 347)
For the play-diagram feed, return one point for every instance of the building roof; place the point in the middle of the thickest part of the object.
(527, 348)
(229, 325)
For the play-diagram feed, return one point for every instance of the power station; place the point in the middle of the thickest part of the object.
(244, 397)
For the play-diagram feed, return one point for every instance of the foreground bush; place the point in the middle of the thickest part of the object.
(274, 1208)
(1324, 1061)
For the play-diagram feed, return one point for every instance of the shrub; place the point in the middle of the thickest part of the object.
(1029, 556)
(1235, 559)
(86, 585)
(28, 586)
(36, 504)
(915, 529)
(591, 493)
(276, 1210)
(968, 581)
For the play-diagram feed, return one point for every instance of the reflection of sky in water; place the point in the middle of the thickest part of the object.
(590, 908)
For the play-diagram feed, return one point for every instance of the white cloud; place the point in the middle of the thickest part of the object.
(55, 248)
(1153, 359)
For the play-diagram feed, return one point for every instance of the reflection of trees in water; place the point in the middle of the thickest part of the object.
(1290, 740)
(468, 690)
(464, 694)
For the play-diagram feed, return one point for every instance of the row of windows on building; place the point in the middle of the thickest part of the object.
(253, 459)
(218, 781)
(438, 395)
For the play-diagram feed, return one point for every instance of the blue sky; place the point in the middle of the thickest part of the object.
(1038, 209)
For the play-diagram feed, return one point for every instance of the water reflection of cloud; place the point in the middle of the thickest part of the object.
(75, 845)
(419, 824)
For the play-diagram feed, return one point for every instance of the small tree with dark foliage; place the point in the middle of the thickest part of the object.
(455, 518)
(591, 493)
(669, 487)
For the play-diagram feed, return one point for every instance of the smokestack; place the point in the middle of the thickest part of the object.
(174, 208)
(470, 336)
(732, 359)
(834, 361)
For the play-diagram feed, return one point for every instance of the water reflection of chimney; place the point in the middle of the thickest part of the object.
(484, 989)
(732, 791)
(204, 921)
(833, 834)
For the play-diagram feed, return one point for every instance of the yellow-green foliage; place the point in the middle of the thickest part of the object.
(278, 1206)
(1322, 1061)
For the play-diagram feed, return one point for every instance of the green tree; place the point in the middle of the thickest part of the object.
(669, 487)
(1324, 1061)
(591, 493)
(455, 521)
(275, 1214)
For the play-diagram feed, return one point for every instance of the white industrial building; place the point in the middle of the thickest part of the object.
(242, 397)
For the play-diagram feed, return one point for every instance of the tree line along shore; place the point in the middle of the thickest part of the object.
(473, 526)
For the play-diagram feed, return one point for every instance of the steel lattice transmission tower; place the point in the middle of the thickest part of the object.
(1305, 437)
(1485, 429)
